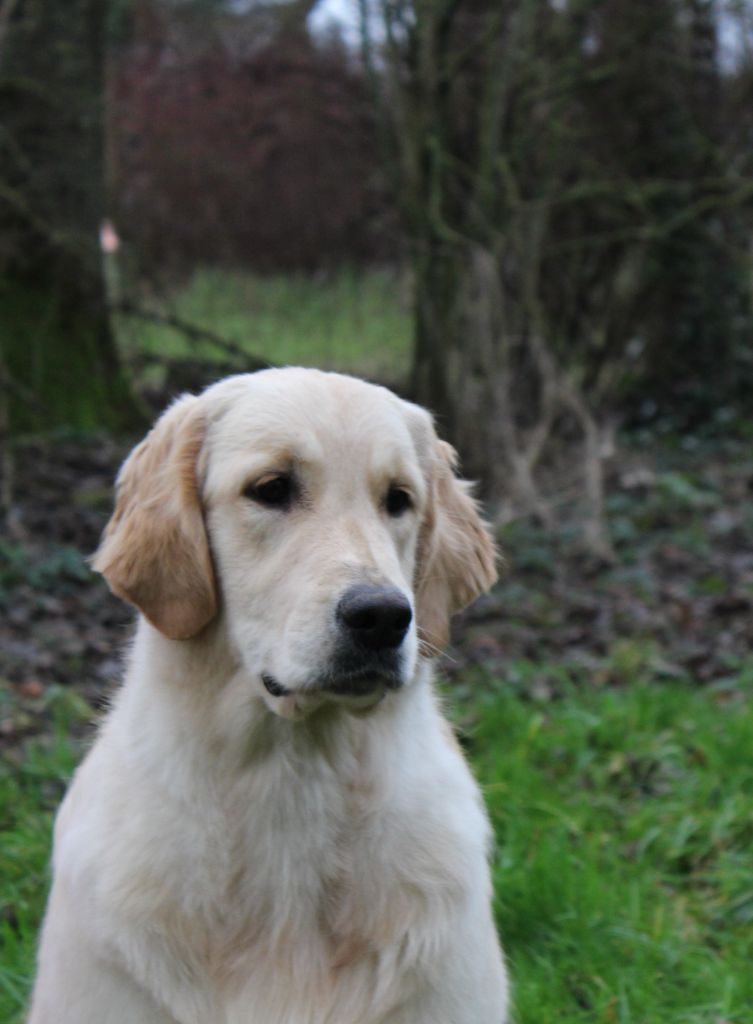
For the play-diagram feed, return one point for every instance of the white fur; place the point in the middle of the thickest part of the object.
(228, 857)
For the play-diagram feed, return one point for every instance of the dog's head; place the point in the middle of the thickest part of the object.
(315, 518)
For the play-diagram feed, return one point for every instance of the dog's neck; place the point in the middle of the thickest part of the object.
(180, 693)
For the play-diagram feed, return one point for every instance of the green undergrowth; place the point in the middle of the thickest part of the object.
(623, 864)
(348, 321)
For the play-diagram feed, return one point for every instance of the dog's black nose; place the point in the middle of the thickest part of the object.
(375, 617)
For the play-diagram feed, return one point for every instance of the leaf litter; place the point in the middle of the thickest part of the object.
(678, 603)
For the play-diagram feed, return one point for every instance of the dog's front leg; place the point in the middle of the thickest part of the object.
(130, 977)
(80, 990)
(486, 1007)
(466, 985)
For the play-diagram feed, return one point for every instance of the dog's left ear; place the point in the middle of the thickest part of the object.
(457, 558)
(155, 552)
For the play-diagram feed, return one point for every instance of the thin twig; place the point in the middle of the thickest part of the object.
(10, 385)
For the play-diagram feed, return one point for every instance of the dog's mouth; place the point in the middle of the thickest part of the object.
(362, 681)
(362, 684)
(273, 687)
(356, 680)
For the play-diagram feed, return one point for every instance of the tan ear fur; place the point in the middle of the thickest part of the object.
(154, 552)
(457, 557)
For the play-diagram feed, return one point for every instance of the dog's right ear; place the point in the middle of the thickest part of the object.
(155, 552)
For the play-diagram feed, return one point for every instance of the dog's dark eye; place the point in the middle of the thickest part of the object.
(398, 500)
(275, 491)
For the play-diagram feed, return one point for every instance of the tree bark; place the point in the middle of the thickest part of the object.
(55, 336)
(453, 349)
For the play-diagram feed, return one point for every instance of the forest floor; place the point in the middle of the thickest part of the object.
(678, 602)
(607, 711)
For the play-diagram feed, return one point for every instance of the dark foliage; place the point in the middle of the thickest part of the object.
(590, 150)
(239, 140)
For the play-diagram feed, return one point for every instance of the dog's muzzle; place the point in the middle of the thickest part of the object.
(371, 623)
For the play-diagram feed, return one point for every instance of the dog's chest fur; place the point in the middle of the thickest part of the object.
(324, 862)
(319, 870)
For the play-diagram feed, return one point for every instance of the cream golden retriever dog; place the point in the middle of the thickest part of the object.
(275, 825)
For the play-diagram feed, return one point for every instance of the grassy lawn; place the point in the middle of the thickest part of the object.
(624, 866)
(33, 778)
(353, 322)
(624, 862)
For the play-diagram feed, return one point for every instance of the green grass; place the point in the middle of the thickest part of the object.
(624, 860)
(353, 322)
(33, 777)
(624, 865)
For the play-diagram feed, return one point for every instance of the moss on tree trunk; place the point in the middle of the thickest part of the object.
(58, 359)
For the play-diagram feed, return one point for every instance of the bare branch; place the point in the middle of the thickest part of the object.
(191, 332)
(6, 13)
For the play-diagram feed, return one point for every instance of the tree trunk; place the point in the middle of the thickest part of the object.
(459, 368)
(55, 339)
(451, 371)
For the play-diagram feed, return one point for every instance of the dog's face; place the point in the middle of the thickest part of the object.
(314, 518)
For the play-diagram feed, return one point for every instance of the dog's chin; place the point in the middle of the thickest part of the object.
(294, 705)
(359, 704)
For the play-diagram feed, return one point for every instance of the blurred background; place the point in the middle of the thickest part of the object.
(535, 218)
